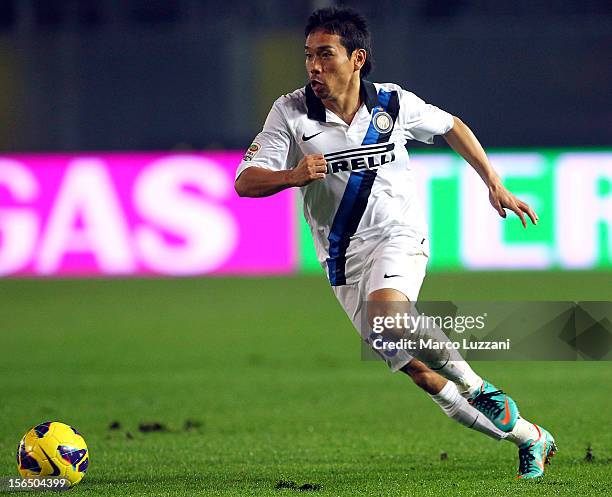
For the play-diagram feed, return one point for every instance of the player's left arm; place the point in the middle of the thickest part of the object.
(463, 141)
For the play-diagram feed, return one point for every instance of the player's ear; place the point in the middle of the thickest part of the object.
(359, 57)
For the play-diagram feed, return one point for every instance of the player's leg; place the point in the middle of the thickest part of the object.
(352, 298)
(383, 302)
(536, 445)
(492, 402)
(482, 397)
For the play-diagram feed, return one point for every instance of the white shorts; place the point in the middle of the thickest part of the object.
(392, 264)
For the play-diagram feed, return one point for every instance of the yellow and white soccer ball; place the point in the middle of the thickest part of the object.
(53, 449)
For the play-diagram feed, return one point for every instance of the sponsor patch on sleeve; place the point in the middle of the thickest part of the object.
(251, 151)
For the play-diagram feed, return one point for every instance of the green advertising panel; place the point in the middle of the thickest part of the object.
(570, 190)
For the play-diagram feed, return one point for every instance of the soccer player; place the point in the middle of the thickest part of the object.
(341, 140)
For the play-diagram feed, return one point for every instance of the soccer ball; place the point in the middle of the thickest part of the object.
(53, 449)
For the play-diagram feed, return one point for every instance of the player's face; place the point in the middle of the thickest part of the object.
(329, 66)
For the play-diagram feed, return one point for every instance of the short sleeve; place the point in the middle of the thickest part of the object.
(422, 121)
(274, 147)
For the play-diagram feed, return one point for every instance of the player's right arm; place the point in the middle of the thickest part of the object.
(262, 182)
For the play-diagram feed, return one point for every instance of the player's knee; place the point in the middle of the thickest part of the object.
(383, 307)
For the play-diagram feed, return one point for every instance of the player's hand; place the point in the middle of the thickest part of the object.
(501, 198)
(310, 168)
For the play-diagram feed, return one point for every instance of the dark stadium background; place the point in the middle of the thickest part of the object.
(156, 74)
(256, 380)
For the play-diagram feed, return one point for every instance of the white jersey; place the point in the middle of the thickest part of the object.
(369, 192)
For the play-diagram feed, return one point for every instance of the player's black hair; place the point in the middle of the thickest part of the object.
(349, 25)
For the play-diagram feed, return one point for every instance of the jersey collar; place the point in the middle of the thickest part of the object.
(316, 109)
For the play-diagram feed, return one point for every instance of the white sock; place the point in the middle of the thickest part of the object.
(457, 408)
(522, 432)
(461, 373)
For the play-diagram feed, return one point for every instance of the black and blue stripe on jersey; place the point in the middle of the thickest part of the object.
(355, 198)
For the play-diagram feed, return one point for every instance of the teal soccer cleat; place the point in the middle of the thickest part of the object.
(495, 405)
(533, 454)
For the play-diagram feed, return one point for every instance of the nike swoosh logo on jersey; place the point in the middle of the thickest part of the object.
(392, 275)
(306, 138)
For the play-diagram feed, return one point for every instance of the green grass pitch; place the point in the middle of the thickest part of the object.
(271, 370)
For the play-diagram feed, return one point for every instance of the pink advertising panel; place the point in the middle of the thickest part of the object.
(138, 214)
